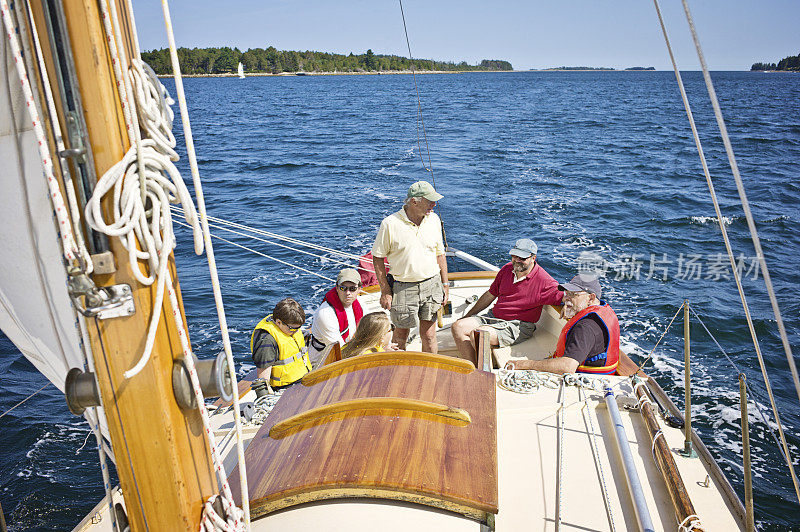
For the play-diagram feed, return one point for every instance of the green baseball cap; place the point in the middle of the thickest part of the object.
(423, 189)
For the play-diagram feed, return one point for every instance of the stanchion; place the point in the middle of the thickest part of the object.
(748, 474)
(688, 451)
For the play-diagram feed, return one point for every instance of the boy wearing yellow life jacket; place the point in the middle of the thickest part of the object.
(277, 345)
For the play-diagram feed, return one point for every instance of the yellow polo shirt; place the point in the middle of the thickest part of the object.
(411, 249)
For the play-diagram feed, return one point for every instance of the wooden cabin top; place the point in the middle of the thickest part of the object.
(411, 426)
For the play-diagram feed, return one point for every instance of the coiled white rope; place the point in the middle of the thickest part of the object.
(263, 407)
(694, 521)
(146, 175)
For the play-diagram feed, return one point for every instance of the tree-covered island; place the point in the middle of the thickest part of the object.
(787, 63)
(225, 60)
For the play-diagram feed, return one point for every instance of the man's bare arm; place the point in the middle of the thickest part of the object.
(553, 365)
(383, 282)
(484, 301)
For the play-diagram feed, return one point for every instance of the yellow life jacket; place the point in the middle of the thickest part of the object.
(293, 361)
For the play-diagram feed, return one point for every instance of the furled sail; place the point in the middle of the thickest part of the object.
(35, 308)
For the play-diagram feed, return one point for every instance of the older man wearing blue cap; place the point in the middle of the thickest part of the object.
(411, 239)
(521, 289)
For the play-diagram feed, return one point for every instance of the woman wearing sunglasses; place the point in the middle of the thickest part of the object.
(277, 345)
(336, 319)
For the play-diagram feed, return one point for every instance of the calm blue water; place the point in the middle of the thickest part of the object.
(581, 161)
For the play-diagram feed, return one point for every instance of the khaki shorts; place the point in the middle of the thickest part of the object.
(509, 332)
(412, 301)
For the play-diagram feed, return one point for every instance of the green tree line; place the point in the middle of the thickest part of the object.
(269, 60)
(787, 63)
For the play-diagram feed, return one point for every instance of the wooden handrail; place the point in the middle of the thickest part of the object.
(666, 463)
(386, 406)
(389, 358)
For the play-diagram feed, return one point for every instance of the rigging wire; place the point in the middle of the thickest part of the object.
(21, 402)
(266, 256)
(420, 120)
(720, 220)
(277, 236)
(235, 517)
(745, 207)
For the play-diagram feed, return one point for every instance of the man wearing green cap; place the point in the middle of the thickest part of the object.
(411, 240)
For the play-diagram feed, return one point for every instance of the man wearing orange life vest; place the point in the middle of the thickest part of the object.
(589, 342)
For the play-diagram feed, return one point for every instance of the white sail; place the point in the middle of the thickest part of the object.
(35, 309)
(241, 71)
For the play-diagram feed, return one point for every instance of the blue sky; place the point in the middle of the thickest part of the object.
(530, 34)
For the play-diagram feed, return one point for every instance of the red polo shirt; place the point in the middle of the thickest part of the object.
(524, 299)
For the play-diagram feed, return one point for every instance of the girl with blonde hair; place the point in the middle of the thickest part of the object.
(373, 334)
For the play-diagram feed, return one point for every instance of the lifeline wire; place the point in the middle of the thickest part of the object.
(267, 256)
(18, 404)
(747, 213)
(749, 390)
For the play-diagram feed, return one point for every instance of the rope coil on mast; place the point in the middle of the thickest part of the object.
(147, 174)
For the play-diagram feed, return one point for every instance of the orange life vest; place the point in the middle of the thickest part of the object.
(610, 357)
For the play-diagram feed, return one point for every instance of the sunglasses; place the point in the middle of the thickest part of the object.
(291, 329)
(348, 288)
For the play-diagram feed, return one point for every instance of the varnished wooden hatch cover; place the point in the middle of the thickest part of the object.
(419, 431)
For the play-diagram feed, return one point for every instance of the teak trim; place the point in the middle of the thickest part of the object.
(390, 358)
(382, 406)
(262, 507)
(666, 463)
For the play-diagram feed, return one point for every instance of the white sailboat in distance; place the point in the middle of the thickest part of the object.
(241, 71)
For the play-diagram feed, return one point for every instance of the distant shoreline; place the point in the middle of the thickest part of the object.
(408, 72)
(301, 74)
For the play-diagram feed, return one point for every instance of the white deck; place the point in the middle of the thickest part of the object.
(528, 465)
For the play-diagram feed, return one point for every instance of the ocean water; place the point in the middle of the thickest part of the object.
(598, 167)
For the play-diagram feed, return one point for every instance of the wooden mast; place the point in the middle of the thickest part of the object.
(162, 457)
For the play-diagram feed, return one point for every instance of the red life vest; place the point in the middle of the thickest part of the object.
(366, 270)
(333, 300)
(610, 356)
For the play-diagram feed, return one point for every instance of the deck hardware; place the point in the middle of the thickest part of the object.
(748, 472)
(707, 482)
(80, 391)
(688, 451)
(669, 418)
(105, 302)
(122, 518)
(213, 377)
